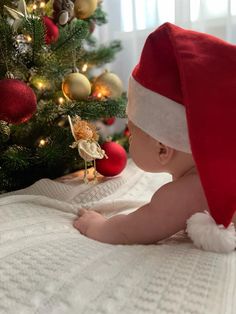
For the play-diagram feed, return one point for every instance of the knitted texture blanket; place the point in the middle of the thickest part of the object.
(46, 266)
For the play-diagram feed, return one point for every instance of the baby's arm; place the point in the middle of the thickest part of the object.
(165, 215)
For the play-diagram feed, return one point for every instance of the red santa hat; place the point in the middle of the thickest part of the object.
(183, 93)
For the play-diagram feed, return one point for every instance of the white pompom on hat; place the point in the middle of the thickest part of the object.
(183, 93)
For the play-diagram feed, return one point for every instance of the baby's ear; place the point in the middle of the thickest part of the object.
(164, 153)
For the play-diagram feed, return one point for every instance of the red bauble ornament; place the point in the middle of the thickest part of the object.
(109, 121)
(52, 31)
(18, 101)
(116, 162)
(127, 132)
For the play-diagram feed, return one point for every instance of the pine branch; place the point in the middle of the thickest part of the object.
(35, 28)
(4, 132)
(71, 36)
(16, 158)
(99, 16)
(6, 44)
(102, 55)
(24, 157)
(89, 109)
(95, 109)
(56, 152)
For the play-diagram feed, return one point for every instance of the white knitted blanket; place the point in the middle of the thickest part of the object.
(47, 267)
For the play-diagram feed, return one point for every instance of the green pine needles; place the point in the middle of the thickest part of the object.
(40, 147)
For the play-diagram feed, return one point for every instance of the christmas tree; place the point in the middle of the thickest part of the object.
(48, 53)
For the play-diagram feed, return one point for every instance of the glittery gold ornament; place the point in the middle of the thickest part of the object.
(76, 86)
(107, 85)
(84, 8)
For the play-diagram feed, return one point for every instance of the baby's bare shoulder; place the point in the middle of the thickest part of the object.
(185, 194)
(173, 204)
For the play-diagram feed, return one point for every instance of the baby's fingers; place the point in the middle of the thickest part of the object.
(80, 225)
(82, 211)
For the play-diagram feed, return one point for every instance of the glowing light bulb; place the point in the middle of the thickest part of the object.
(85, 67)
(28, 38)
(42, 5)
(61, 100)
(42, 142)
(40, 85)
(34, 6)
(99, 95)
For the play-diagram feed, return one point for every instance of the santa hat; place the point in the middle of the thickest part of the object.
(183, 93)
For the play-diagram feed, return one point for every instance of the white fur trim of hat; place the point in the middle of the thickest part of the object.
(160, 117)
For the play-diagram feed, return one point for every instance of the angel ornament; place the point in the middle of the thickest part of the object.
(86, 140)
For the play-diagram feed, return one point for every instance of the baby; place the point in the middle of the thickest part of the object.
(158, 219)
(172, 131)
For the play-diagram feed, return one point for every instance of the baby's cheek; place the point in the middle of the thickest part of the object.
(136, 152)
(132, 149)
(135, 145)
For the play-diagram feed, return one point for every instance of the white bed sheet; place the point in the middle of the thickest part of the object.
(46, 266)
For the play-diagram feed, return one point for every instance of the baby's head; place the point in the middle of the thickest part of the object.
(156, 111)
(151, 155)
(157, 116)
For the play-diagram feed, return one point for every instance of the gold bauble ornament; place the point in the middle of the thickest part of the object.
(107, 85)
(76, 86)
(84, 8)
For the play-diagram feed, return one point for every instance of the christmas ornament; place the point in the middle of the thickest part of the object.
(22, 43)
(84, 8)
(86, 138)
(109, 121)
(107, 85)
(127, 132)
(18, 101)
(116, 161)
(52, 31)
(18, 14)
(63, 11)
(76, 86)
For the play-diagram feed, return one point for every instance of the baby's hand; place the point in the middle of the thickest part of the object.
(90, 224)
